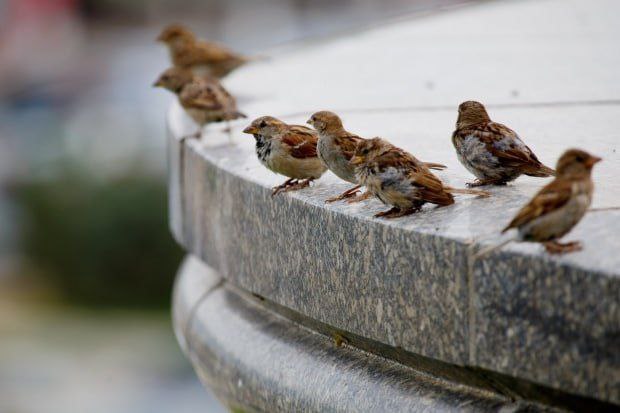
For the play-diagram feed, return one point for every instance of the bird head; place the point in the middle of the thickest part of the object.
(576, 163)
(325, 121)
(175, 33)
(369, 149)
(471, 113)
(174, 79)
(266, 126)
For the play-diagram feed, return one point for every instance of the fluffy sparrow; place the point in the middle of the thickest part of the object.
(202, 57)
(557, 207)
(398, 179)
(289, 150)
(203, 98)
(336, 148)
(491, 151)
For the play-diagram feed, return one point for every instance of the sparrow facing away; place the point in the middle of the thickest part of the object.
(202, 57)
(558, 206)
(289, 150)
(397, 178)
(336, 148)
(491, 151)
(203, 98)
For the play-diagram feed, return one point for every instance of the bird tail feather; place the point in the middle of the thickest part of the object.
(433, 165)
(487, 250)
(541, 171)
(467, 191)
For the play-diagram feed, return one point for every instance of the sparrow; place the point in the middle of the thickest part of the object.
(491, 151)
(557, 207)
(203, 98)
(289, 150)
(336, 148)
(201, 56)
(399, 179)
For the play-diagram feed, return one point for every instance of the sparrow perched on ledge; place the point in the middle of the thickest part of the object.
(204, 99)
(558, 206)
(289, 150)
(491, 151)
(202, 57)
(336, 148)
(397, 178)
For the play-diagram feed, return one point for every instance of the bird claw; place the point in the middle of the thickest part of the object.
(360, 198)
(291, 185)
(554, 247)
(480, 182)
(396, 213)
(346, 194)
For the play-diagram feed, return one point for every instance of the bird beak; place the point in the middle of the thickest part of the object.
(309, 122)
(251, 130)
(356, 160)
(592, 160)
(157, 83)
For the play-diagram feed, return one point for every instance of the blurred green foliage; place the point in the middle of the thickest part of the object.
(101, 243)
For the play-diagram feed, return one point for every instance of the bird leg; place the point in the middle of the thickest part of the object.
(298, 185)
(280, 188)
(360, 198)
(555, 247)
(483, 182)
(346, 194)
(396, 212)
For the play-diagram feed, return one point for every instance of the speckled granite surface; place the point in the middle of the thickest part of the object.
(406, 283)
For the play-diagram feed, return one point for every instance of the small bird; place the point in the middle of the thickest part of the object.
(557, 207)
(204, 99)
(336, 148)
(202, 57)
(399, 179)
(289, 150)
(491, 151)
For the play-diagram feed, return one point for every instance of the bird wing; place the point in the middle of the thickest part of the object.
(212, 52)
(551, 197)
(429, 187)
(347, 144)
(504, 143)
(199, 95)
(301, 141)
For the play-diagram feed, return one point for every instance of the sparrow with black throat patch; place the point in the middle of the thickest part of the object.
(336, 148)
(491, 151)
(204, 99)
(399, 179)
(289, 150)
(557, 207)
(200, 56)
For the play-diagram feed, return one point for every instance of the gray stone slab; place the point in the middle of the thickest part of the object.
(256, 360)
(406, 283)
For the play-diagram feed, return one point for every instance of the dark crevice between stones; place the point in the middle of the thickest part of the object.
(521, 391)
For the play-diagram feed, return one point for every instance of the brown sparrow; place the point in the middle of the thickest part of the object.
(491, 151)
(397, 178)
(336, 148)
(202, 57)
(204, 99)
(558, 206)
(289, 150)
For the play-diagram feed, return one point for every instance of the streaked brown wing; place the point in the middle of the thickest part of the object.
(348, 144)
(198, 95)
(549, 198)
(302, 142)
(514, 155)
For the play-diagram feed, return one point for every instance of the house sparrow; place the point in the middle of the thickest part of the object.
(288, 150)
(336, 148)
(204, 99)
(557, 207)
(491, 151)
(200, 56)
(397, 178)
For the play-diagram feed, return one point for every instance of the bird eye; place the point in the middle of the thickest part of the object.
(313, 119)
(365, 151)
(263, 124)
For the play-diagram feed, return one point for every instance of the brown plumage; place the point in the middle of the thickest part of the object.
(200, 56)
(203, 98)
(399, 179)
(560, 205)
(289, 150)
(336, 148)
(491, 151)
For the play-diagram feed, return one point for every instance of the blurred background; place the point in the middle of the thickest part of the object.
(86, 260)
